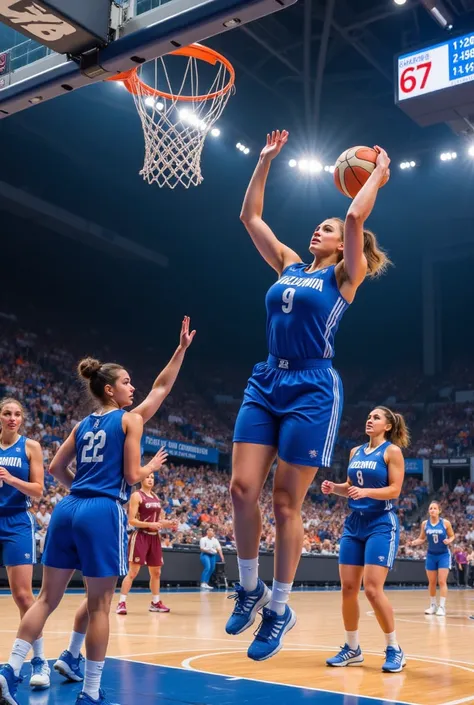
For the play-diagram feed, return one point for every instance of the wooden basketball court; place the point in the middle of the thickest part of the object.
(440, 657)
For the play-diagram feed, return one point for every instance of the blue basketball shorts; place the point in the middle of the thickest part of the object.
(88, 534)
(295, 410)
(17, 539)
(369, 539)
(435, 561)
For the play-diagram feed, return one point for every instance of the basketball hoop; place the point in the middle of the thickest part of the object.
(177, 121)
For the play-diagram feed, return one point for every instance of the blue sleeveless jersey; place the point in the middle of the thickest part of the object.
(15, 460)
(303, 313)
(436, 535)
(369, 470)
(99, 455)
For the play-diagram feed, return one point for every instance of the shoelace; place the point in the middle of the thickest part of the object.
(267, 625)
(240, 599)
(346, 649)
(393, 654)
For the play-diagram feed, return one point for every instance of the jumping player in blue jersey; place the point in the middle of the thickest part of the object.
(21, 477)
(293, 402)
(106, 446)
(440, 535)
(370, 539)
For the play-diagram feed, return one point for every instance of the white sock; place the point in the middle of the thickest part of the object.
(75, 645)
(391, 640)
(248, 573)
(433, 601)
(155, 598)
(442, 602)
(352, 639)
(280, 596)
(18, 655)
(38, 648)
(92, 676)
(123, 598)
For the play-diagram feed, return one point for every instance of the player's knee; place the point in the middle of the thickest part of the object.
(442, 582)
(284, 508)
(373, 591)
(99, 602)
(23, 598)
(242, 493)
(350, 589)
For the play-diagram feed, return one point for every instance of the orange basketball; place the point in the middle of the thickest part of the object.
(353, 168)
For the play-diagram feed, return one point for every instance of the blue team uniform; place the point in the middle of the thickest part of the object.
(438, 555)
(294, 400)
(17, 525)
(371, 531)
(88, 529)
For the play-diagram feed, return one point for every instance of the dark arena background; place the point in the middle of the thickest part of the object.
(96, 261)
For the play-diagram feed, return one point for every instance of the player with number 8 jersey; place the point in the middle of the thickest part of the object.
(370, 539)
(293, 401)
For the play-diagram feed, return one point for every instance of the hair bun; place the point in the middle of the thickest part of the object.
(88, 367)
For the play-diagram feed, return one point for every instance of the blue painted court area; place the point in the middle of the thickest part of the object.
(132, 683)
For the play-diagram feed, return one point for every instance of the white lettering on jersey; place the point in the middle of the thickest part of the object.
(10, 462)
(363, 464)
(302, 282)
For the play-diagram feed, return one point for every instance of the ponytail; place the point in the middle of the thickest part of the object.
(377, 259)
(398, 434)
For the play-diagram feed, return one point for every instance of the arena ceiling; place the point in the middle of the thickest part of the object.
(348, 45)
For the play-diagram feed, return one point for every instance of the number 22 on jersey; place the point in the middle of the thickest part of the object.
(94, 443)
(287, 298)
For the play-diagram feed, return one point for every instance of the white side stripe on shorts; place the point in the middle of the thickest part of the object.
(122, 561)
(332, 430)
(336, 313)
(33, 538)
(393, 540)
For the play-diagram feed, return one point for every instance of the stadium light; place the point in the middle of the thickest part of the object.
(303, 165)
(408, 165)
(242, 148)
(292, 163)
(470, 151)
(215, 132)
(448, 156)
(399, 2)
(331, 169)
(439, 12)
(315, 167)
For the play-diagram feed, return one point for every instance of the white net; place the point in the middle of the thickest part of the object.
(177, 121)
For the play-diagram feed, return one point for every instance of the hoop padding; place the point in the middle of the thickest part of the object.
(176, 122)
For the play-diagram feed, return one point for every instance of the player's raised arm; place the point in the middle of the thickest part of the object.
(133, 471)
(274, 252)
(163, 384)
(355, 263)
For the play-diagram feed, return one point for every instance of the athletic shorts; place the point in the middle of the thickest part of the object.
(369, 539)
(145, 549)
(435, 561)
(17, 539)
(295, 410)
(88, 534)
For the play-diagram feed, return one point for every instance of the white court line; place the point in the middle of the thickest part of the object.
(469, 699)
(285, 685)
(437, 620)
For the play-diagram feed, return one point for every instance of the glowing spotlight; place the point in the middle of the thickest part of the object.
(120, 83)
(292, 163)
(399, 2)
(470, 151)
(412, 164)
(159, 106)
(403, 165)
(303, 165)
(184, 115)
(448, 156)
(215, 132)
(150, 102)
(246, 150)
(315, 167)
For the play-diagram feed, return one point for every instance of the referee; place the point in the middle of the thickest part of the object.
(210, 547)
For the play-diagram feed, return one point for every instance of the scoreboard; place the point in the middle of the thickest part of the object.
(436, 84)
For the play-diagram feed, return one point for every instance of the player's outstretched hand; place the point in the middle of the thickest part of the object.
(327, 487)
(186, 337)
(275, 143)
(383, 161)
(159, 459)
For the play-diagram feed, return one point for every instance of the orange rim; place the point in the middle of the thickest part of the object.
(135, 85)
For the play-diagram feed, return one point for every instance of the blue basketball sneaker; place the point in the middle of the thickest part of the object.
(8, 685)
(394, 660)
(84, 699)
(246, 607)
(70, 667)
(269, 635)
(40, 673)
(346, 657)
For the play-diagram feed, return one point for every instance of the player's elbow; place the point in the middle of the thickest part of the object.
(37, 492)
(132, 477)
(354, 216)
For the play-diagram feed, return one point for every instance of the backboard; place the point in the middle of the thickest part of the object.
(140, 30)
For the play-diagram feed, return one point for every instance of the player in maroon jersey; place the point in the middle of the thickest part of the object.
(144, 547)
